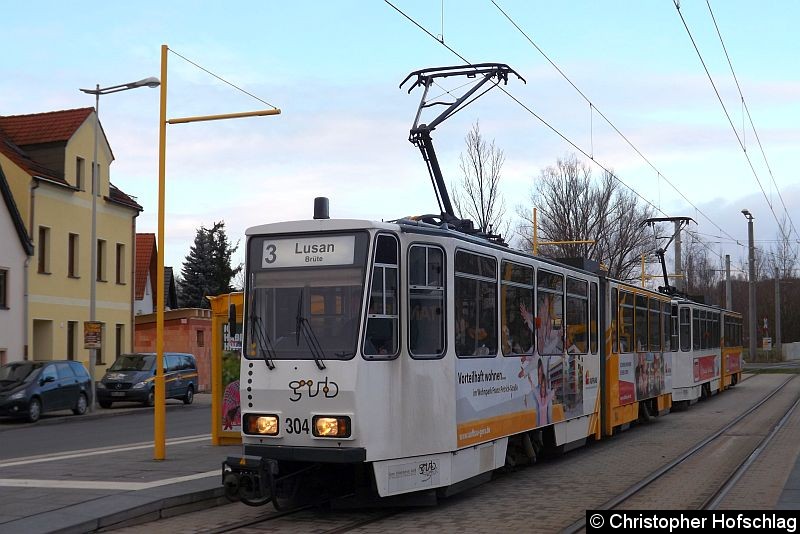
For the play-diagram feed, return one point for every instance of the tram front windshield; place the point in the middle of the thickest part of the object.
(304, 313)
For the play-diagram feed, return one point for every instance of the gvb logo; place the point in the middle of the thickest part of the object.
(329, 388)
(427, 470)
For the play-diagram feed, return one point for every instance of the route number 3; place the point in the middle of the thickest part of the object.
(269, 254)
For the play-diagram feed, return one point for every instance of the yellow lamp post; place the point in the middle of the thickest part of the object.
(159, 439)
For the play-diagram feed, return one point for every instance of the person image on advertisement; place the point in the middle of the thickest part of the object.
(543, 397)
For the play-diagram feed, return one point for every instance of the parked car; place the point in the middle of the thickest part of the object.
(132, 378)
(30, 388)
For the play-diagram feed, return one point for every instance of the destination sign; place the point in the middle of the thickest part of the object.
(308, 252)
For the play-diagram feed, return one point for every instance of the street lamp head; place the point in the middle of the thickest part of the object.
(747, 214)
(146, 82)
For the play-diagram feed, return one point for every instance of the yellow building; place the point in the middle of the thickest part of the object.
(47, 159)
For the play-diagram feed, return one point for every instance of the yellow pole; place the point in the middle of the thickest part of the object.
(643, 269)
(535, 237)
(159, 442)
(260, 113)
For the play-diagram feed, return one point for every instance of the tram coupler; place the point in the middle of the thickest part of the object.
(248, 479)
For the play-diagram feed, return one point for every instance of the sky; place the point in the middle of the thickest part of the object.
(333, 68)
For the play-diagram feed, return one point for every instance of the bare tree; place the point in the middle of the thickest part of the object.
(783, 256)
(575, 208)
(702, 274)
(477, 196)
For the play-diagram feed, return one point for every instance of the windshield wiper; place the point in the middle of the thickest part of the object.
(258, 332)
(308, 335)
(264, 342)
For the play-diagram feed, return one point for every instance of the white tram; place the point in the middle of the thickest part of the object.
(413, 358)
(707, 345)
(462, 356)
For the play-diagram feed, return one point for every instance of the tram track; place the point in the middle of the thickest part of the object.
(339, 524)
(711, 502)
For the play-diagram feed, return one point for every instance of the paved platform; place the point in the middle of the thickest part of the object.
(114, 487)
(97, 488)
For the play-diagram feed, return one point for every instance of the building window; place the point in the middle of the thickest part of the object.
(72, 339)
(44, 250)
(3, 357)
(4, 288)
(72, 260)
(80, 168)
(120, 340)
(120, 263)
(201, 338)
(101, 260)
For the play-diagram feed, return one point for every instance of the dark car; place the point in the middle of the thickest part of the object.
(30, 388)
(131, 378)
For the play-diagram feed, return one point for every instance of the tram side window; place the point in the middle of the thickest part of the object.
(577, 315)
(426, 318)
(739, 333)
(654, 316)
(674, 322)
(696, 329)
(516, 298)
(705, 334)
(475, 299)
(550, 313)
(626, 321)
(714, 341)
(381, 339)
(640, 327)
(593, 330)
(614, 321)
(666, 308)
(686, 329)
(727, 330)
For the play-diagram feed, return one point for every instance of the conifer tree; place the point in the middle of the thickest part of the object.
(207, 269)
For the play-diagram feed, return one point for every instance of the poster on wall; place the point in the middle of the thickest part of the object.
(231, 361)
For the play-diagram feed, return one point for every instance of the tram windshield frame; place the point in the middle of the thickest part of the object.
(304, 311)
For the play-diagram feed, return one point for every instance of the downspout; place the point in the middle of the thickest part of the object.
(132, 278)
(25, 308)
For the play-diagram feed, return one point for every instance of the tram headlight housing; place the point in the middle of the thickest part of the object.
(260, 424)
(331, 426)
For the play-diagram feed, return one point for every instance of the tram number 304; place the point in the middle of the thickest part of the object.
(296, 426)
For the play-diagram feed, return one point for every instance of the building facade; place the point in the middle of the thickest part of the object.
(185, 330)
(51, 156)
(15, 252)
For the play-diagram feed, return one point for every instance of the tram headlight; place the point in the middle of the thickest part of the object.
(331, 426)
(261, 424)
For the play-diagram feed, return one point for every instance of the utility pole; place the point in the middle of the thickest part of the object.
(751, 314)
(728, 298)
(777, 343)
(679, 282)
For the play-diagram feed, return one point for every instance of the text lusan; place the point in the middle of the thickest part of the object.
(313, 249)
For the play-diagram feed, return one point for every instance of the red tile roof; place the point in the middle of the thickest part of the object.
(118, 196)
(47, 127)
(145, 264)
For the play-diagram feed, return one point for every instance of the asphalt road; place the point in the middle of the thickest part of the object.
(121, 425)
